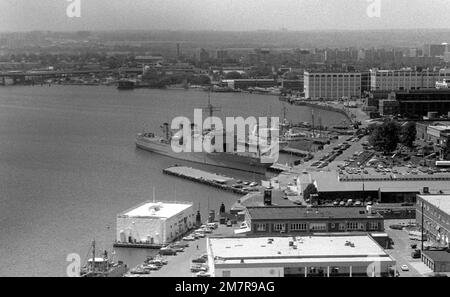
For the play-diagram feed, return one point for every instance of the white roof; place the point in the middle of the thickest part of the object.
(440, 201)
(309, 248)
(157, 209)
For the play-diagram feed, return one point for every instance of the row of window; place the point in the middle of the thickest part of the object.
(280, 227)
(334, 75)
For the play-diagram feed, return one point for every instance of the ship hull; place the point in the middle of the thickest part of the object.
(225, 160)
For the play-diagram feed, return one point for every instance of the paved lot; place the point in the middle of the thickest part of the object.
(179, 265)
(401, 251)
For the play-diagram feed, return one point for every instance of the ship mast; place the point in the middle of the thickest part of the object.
(93, 255)
(210, 108)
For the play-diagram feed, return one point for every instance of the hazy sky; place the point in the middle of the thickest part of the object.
(233, 15)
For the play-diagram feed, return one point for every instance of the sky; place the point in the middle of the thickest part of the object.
(224, 15)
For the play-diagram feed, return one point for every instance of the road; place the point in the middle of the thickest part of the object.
(401, 251)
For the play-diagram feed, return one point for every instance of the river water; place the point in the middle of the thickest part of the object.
(68, 165)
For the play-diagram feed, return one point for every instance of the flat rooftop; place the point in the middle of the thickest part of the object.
(296, 212)
(157, 209)
(438, 256)
(339, 248)
(440, 201)
(329, 182)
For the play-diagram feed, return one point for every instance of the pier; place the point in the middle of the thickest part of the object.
(211, 179)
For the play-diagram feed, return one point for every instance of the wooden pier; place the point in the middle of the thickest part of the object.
(211, 179)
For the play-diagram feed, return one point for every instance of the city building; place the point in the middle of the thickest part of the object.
(222, 55)
(437, 133)
(406, 79)
(298, 256)
(244, 84)
(437, 260)
(433, 213)
(434, 50)
(332, 86)
(292, 84)
(203, 56)
(418, 103)
(444, 84)
(155, 222)
(331, 186)
(268, 220)
(143, 61)
(388, 107)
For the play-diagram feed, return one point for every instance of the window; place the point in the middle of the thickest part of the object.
(279, 227)
(373, 225)
(226, 273)
(352, 226)
(260, 227)
(318, 227)
(299, 227)
(341, 226)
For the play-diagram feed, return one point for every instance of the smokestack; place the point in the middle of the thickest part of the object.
(268, 197)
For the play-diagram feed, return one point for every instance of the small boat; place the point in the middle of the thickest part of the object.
(102, 266)
(125, 84)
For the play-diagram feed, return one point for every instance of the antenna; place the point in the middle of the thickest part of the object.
(153, 194)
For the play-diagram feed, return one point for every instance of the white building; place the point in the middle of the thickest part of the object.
(301, 256)
(155, 222)
(332, 86)
(405, 79)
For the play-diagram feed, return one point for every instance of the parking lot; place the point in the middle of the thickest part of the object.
(179, 265)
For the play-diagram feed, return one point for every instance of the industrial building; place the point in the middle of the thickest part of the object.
(155, 222)
(297, 220)
(388, 107)
(405, 79)
(433, 213)
(419, 103)
(332, 86)
(437, 260)
(298, 256)
(244, 84)
(437, 133)
(384, 189)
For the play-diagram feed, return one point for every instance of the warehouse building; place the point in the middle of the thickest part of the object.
(437, 261)
(433, 213)
(297, 220)
(298, 256)
(155, 222)
(418, 103)
(332, 86)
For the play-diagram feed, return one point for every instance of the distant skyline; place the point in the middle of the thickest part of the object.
(223, 15)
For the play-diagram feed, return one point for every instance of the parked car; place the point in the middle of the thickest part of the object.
(203, 274)
(167, 252)
(404, 268)
(199, 260)
(198, 268)
(396, 227)
(416, 254)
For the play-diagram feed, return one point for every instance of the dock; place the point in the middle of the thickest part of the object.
(211, 179)
(138, 245)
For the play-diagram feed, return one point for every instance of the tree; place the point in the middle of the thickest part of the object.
(409, 133)
(385, 137)
(446, 151)
(233, 75)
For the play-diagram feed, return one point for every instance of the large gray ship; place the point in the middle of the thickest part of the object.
(249, 160)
